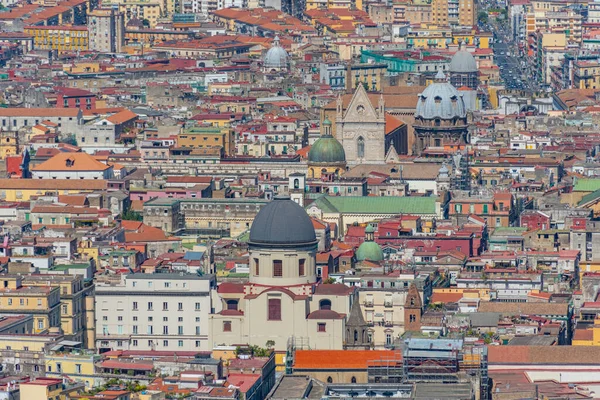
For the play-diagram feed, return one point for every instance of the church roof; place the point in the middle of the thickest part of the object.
(463, 62)
(370, 251)
(356, 316)
(325, 314)
(327, 149)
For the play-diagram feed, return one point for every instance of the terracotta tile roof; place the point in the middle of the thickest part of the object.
(72, 200)
(122, 117)
(325, 314)
(446, 297)
(53, 184)
(392, 123)
(339, 359)
(544, 355)
(583, 334)
(335, 289)
(560, 309)
(244, 382)
(228, 287)
(39, 112)
(78, 162)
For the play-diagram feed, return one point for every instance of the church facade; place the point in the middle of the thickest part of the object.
(361, 129)
(283, 301)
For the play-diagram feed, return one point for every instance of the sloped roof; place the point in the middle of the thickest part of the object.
(79, 162)
(377, 205)
(339, 359)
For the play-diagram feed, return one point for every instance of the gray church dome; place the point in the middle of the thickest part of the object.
(463, 62)
(276, 57)
(282, 224)
(440, 100)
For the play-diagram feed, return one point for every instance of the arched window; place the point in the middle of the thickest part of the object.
(325, 304)
(232, 304)
(353, 379)
(412, 301)
(360, 147)
(329, 379)
(296, 183)
(438, 122)
(355, 335)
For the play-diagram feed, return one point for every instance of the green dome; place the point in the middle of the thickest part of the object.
(370, 229)
(327, 149)
(369, 251)
(326, 122)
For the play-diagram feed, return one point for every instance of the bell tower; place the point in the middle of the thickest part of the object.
(413, 308)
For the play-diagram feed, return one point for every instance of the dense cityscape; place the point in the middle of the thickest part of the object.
(299, 199)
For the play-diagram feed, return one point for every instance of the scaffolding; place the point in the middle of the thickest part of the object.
(385, 369)
(445, 361)
(461, 176)
(294, 343)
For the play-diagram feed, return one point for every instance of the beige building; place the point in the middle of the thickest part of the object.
(281, 301)
(41, 302)
(163, 312)
(76, 302)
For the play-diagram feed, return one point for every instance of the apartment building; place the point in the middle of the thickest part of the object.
(161, 311)
(76, 303)
(64, 38)
(41, 302)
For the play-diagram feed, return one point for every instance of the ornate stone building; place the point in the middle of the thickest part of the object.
(440, 117)
(326, 158)
(283, 299)
(413, 309)
(361, 128)
(463, 70)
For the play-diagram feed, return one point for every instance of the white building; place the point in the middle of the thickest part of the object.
(72, 166)
(154, 312)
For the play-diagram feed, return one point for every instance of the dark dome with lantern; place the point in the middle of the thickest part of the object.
(282, 224)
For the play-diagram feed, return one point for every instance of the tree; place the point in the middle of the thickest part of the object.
(131, 215)
(69, 139)
(482, 17)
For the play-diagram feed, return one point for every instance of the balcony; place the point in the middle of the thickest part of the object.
(388, 323)
(368, 303)
(388, 303)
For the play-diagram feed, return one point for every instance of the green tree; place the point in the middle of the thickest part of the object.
(482, 17)
(131, 215)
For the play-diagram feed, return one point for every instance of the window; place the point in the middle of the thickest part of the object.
(165, 343)
(150, 329)
(77, 368)
(325, 304)
(180, 330)
(197, 330)
(135, 306)
(277, 268)
(321, 327)
(180, 343)
(58, 367)
(197, 343)
(274, 310)
(167, 284)
(134, 343)
(180, 307)
(197, 307)
(301, 271)
(360, 147)
(256, 267)
(353, 379)
(226, 326)
(165, 330)
(180, 319)
(232, 304)
(165, 306)
(134, 329)
(149, 306)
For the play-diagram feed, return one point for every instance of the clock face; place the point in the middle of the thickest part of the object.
(360, 109)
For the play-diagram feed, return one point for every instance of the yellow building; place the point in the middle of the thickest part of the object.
(79, 367)
(8, 144)
(429, 36)
(586, 74)
(42, 388)
(439, 12)
(466, 12)
(205, 137)
(25, 189)
(150, 10)
(83, 68)
(64, 38)
(588, 337)
(75, 312)
(41, 302)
